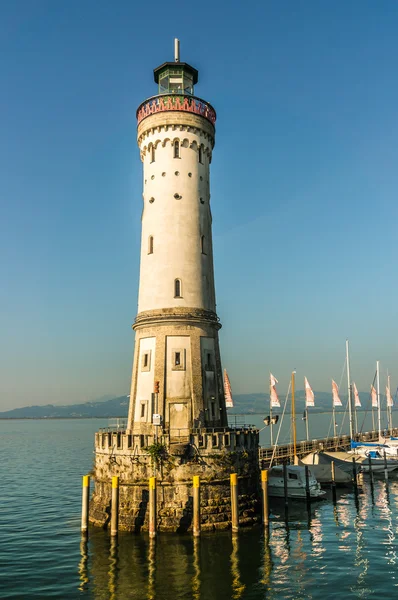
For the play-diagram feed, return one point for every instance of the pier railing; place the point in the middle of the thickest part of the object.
(284, 453)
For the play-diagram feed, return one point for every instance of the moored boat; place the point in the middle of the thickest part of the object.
(296, 484)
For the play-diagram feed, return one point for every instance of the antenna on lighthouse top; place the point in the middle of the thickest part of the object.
(176, 50)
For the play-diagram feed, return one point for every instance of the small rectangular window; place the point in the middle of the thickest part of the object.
(146, 360)
(292, 476)
(142, 410)
(178, 359)
(200, 153)
(152, 154)
(176, 149)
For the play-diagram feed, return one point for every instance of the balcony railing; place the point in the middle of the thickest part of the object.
(171, 102)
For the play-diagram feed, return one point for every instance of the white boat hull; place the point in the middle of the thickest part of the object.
(296, 483)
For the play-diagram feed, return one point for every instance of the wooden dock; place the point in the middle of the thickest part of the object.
(284, 454)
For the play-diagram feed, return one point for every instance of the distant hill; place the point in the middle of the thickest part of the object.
(118, 407)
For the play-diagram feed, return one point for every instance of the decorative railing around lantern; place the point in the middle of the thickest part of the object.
(170, 102)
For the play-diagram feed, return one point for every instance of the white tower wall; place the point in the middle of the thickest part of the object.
(177, 225)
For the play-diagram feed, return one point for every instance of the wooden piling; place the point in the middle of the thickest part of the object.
(285, 491)
(85, 503)
(307, 485)
(333, 482)
(385, 466)
(264, 487)
(234, 503)
(115, 506)
(370, 470)
(196, 505)
(354, 475)
(152, 507)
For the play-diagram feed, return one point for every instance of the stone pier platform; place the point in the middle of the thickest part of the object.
(213, 454)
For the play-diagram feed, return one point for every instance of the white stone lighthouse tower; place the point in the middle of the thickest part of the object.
(177, 373)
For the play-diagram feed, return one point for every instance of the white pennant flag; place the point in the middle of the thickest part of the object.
(274, 400)
(356, 395)
(309, 394)
(374, 396)
(335, 393)
(229, 403)
(389, 397)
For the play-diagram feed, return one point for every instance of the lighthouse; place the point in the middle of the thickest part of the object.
(177, 440)
(177, 377)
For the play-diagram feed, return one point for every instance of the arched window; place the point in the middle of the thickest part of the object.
(177, 288)
(176, 146)
(152, 154)
(202, 244)
(150, 244)
(200, 153)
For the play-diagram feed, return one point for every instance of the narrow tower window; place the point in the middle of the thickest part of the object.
(202, 244)
(152, 154)
(150, 244)
(200, 155)
(176, 149)
(177, 288)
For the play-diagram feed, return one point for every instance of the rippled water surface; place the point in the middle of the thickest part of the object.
(348, 550)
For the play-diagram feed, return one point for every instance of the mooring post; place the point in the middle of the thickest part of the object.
(385, 466)
(115, 506)
(234, 503)
(264, 487)
(196, 505)
(307, 485)
(370, 470)
(152, 507)
(354, 475)
(333, 482)
(285, 491)
(85, 503)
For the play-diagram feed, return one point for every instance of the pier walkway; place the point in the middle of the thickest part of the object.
(284, 453)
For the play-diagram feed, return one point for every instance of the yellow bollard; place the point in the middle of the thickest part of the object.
(115, 506)
(264, 487)
(85, 503)
(196, 505)
(234, 503)
(152, 507)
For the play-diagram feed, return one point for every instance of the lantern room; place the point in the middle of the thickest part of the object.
(176, 77)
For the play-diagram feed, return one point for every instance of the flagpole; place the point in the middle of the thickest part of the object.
(389, 408)
(306, 422)
(294, 422)
(349, 390)
(378, 399)
(356, 419)
(270, 412)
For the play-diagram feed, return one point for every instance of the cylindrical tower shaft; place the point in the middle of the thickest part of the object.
(177, 326)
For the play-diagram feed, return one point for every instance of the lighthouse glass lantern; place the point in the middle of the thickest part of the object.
(176, 78)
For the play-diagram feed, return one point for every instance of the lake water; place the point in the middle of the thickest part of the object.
(344, 551)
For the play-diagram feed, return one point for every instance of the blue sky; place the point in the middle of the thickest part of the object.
(304, 187)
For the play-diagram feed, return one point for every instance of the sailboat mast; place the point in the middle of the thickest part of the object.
(270, 413)
(349, 390)
(378, 398)
(389, 408)
(294, 421)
